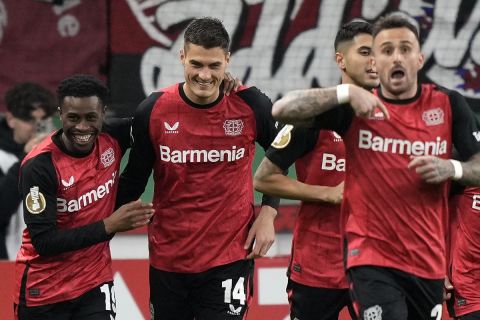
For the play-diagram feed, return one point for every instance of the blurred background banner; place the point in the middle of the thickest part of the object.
(45, 43)
(281, 45)
(277, 45)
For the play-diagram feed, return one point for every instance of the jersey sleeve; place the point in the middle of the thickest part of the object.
(291, 144)
(337, 119)
(465, 127)
(266, 127)
(134, 178)
(120, 129)
(39, 190)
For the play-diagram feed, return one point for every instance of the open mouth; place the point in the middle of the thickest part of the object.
(397, 74)
(82, 138)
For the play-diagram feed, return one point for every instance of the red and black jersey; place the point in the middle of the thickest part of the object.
(319, 158)
(202, 160)
(394, 218)
(465, 267)
(64, 251)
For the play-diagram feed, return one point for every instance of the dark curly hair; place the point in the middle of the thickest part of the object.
(207, 32)
(82, 85)
(24, 98)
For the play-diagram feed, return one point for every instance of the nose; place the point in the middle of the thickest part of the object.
(82, 125)
(397, 57)
(204, 74)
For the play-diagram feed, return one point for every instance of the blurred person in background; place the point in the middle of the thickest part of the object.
(69, 184)
(317, 287)
(29, 107)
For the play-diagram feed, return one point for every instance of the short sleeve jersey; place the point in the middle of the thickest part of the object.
(201, 157)
(466, 252)
(394, 218)
(319, 158)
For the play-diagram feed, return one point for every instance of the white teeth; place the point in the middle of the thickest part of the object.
(83, 138)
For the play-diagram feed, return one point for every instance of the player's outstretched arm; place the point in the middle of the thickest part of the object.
(132, 215)
(269, 179)
(300, 107)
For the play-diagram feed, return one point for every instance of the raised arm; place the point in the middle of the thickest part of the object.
(300, 107)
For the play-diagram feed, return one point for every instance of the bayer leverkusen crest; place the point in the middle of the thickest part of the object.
(233, 127)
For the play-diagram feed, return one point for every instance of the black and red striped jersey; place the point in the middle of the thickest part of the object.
(65, 251)
(201, 157)
(319, 157)
(394, 218)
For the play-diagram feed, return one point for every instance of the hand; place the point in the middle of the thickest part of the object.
(364, 103)
(34, 141)
(432, 169)
(129, 216)
(263, 232)
(230, 83)
(334, 195)
(447, 289)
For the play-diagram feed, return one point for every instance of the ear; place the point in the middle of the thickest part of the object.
(10, 119)
(339, 59)
(182, 56)
(421, 60)
(227, 57)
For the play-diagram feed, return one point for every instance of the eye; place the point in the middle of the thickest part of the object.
(92, 117)
(387, 51)
(364, 52)
(72, 118)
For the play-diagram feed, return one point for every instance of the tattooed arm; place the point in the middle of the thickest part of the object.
(300, 107)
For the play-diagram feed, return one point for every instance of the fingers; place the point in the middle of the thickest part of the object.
(260, 249)
(228, 83)
(384, 109)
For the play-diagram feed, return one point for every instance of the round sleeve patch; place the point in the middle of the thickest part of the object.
(283, 137)
(35, 201)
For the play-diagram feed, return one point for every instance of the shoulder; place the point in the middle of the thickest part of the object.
(253, 96)
(38, 164)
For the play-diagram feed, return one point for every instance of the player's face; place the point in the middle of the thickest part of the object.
(356, 61)
(204, 72)
(82, 120)
(398, 60)
(24, 130)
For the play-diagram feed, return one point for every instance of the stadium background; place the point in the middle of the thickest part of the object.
(277, 45)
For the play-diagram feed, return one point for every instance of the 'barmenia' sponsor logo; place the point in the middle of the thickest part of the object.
(367, 140)
(195, 156)
(73, 205)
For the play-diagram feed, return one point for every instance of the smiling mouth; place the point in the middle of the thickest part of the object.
(82, 138)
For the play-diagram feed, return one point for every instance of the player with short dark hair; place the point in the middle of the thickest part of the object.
(29, 106)
(69, 183)
(200, 144)
(317, 287)
(399, 149)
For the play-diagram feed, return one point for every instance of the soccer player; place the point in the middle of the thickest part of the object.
(398, 152)
(200, 144)
(318, 288)
(69, 183)
(465, 272)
